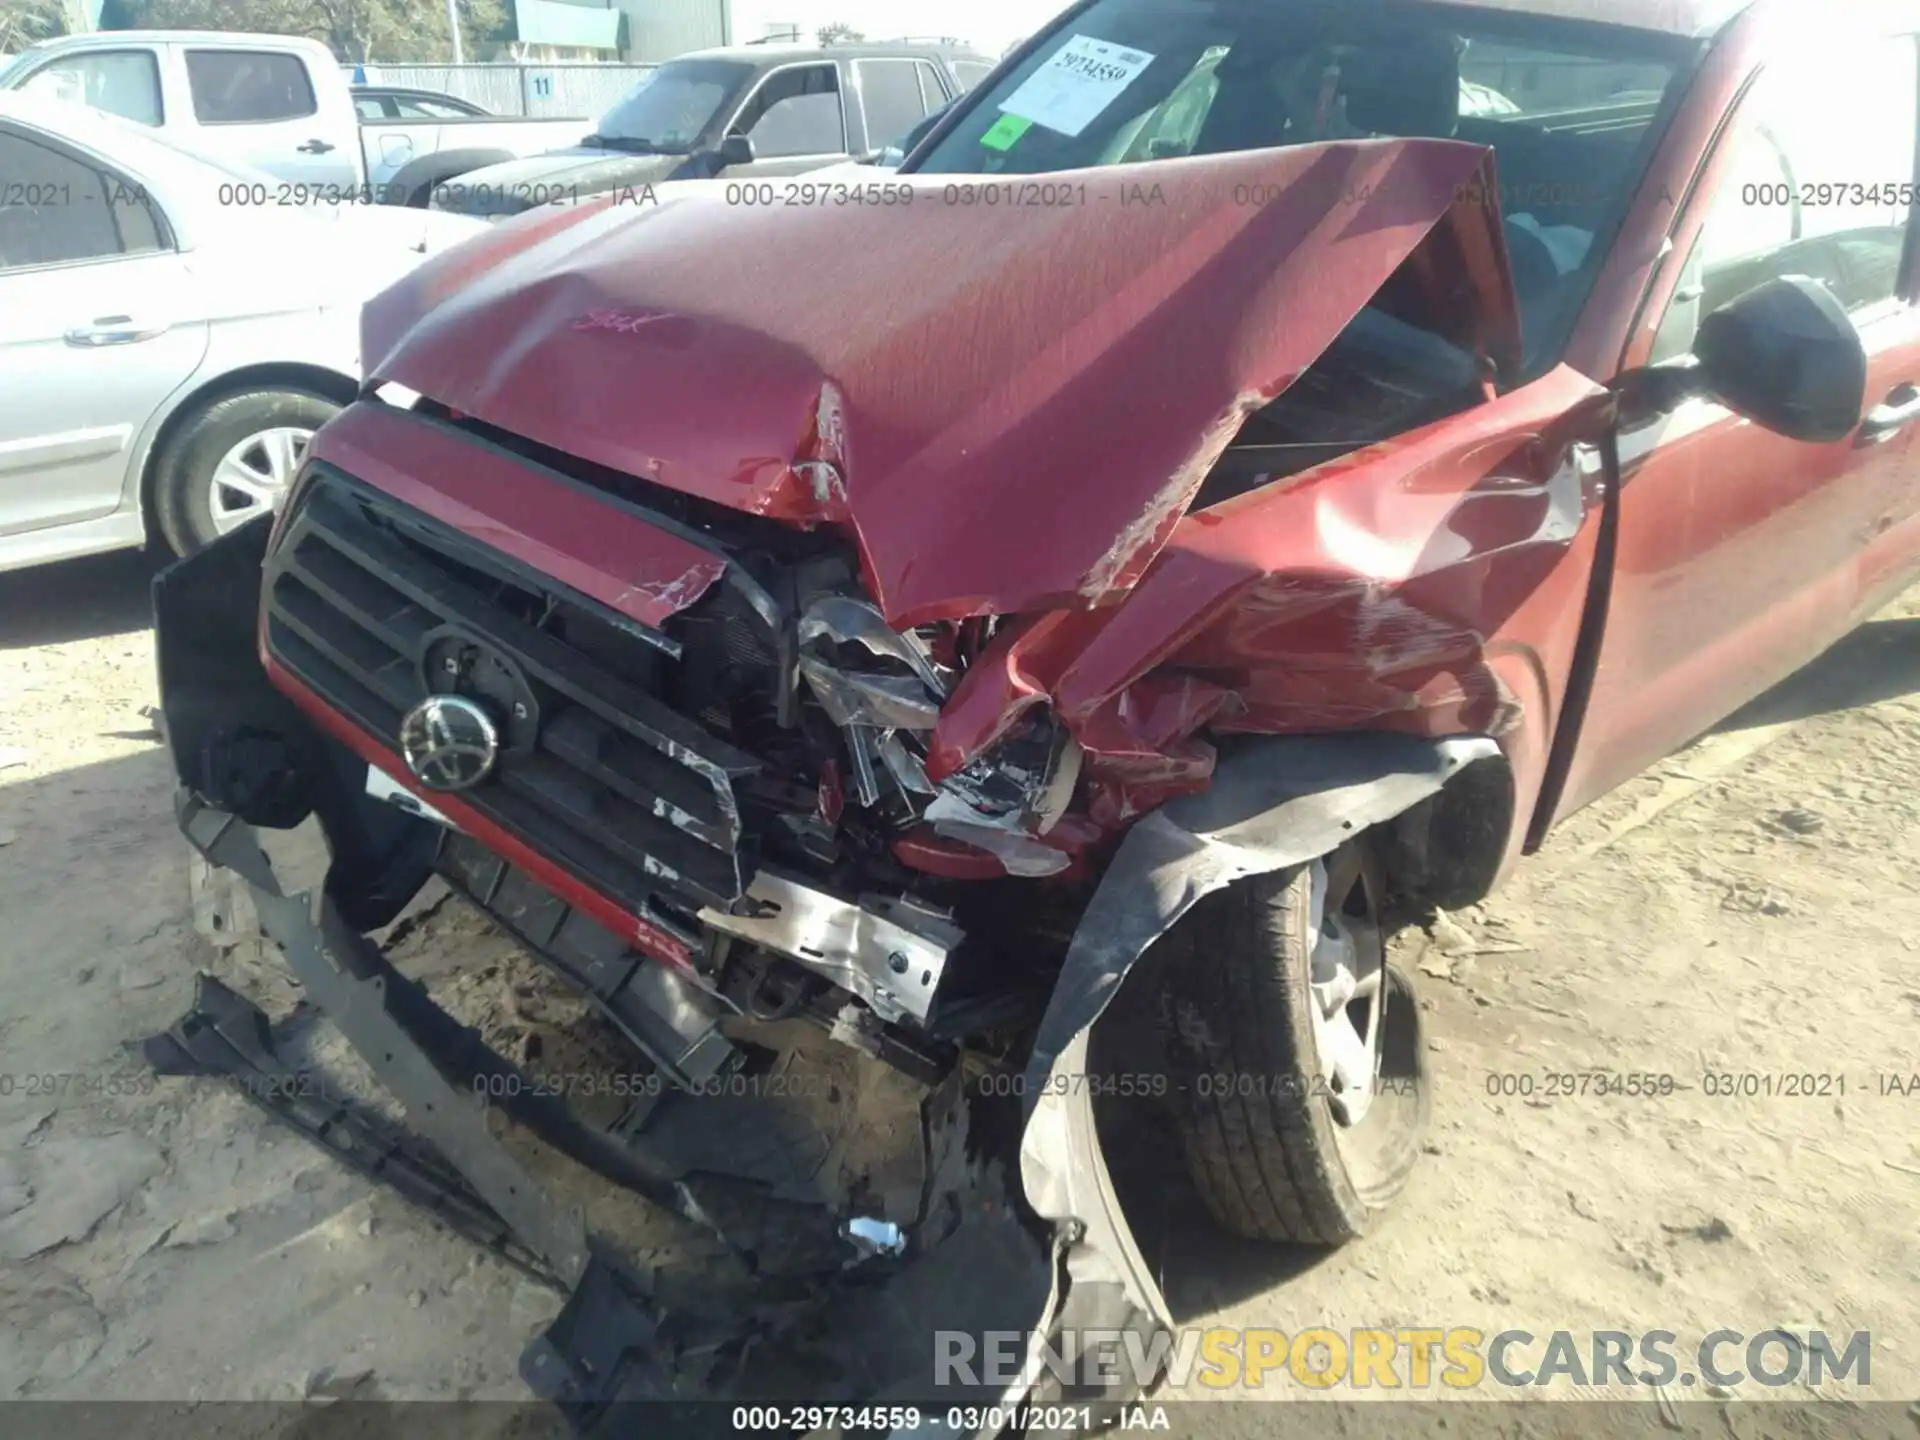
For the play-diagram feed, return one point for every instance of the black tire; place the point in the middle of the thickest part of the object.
(1257, 1123)
(184, 471)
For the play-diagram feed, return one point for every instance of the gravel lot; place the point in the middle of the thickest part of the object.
(1751, 907)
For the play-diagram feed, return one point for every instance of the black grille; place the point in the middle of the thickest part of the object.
(599, 774)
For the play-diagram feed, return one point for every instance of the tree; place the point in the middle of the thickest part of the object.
(839, 33)
(357, 31)
(26, 22)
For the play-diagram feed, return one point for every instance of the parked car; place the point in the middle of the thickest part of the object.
(165, 354)
(1035, 641)
(751, 110)
(893, 155)
(279, 104)
(396, 102)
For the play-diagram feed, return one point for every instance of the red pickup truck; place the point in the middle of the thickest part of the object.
(1256, 467)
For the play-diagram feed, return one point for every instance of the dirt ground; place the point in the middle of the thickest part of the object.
(1750, 908)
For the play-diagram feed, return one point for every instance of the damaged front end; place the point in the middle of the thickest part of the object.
(795, 1152)
(809, 1091)
(830, 760)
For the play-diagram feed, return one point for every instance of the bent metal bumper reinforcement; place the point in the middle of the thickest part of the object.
(888, 952)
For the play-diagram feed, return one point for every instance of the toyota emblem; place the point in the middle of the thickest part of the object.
(449, 743)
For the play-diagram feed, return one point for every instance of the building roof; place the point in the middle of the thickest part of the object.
(575, 27)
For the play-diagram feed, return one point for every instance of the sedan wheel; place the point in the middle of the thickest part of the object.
(253, 477)
(231, 461)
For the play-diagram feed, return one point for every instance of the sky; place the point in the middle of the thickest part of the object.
(989, 25)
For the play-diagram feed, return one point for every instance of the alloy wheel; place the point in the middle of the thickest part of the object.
(254, 476)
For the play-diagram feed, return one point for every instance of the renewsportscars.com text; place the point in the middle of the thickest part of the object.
(1407, 1358)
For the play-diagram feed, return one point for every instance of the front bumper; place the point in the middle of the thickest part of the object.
(976, 1258)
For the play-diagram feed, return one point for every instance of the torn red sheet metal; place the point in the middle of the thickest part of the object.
(1420, 585)
(1012, 406)
(621, 561)
(1140, 744)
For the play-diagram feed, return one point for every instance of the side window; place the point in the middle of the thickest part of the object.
(248, 87)
(1502, 80)
(971, 72)
(1820, 183)
(795, 112)
(373, 107)
(933, 95)
(56, 209)
(890, 93)
(1740, 229)
(121, 82)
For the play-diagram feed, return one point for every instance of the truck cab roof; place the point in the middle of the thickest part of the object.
(122, 39)
(787, 54)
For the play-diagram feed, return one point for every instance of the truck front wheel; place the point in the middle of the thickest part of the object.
(1300, 1078)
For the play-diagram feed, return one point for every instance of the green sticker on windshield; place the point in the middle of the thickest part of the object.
(1006, 130)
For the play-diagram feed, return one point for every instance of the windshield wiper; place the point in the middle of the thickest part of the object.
(623, 144)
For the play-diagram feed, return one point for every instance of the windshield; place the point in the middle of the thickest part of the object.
(1570, 109)
(672, 107)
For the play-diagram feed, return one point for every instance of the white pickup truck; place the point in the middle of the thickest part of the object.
(275, 102)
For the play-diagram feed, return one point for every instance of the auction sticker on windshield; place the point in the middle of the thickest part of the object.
(1082, 78)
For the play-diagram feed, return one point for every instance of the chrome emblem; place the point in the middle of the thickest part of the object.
(449, 743)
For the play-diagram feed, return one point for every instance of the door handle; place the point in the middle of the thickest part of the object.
(116, 330)
(314, 147)
(1901, 409)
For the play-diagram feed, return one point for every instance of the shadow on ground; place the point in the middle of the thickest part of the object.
(1201, 1268)
(77, 600)
(1879, 661)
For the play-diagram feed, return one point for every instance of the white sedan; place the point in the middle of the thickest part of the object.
(172, 330)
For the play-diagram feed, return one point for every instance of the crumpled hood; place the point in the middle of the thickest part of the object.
(1011, 404)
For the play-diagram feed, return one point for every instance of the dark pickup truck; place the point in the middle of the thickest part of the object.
(1031, 641)
(746, 112)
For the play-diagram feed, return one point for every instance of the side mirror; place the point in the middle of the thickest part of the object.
(736, 150)
(1786, 357)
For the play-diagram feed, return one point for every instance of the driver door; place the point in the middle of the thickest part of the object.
(796, 119)
(1742, 554)
(262, 107)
